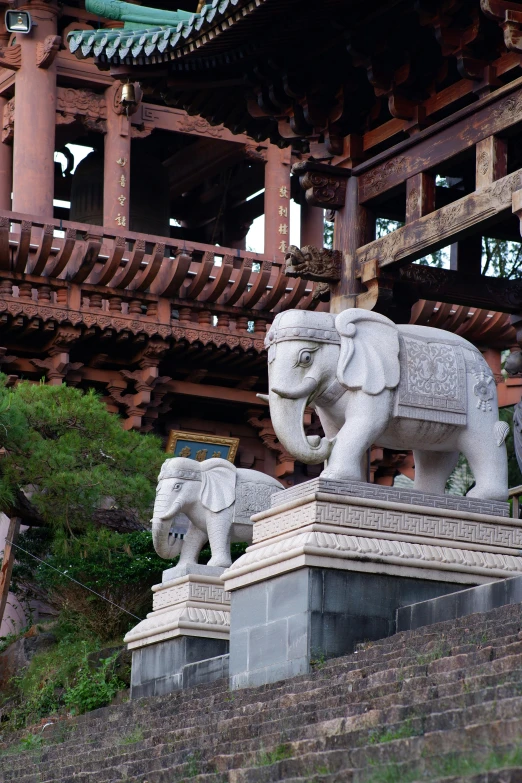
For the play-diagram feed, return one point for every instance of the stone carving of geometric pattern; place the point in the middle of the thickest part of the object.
(285, 520)
(389, 520)
(211, 593)
(367, 491)
(317, 543)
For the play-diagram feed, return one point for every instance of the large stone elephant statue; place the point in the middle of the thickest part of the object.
(218, 500)
(398, 387)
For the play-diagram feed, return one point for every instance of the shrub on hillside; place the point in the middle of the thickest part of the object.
(120, 567)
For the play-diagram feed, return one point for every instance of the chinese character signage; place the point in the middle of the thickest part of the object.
(201, 447)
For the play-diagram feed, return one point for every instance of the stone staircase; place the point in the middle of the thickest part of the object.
(440, 703)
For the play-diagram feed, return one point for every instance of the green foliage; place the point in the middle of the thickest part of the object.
(92, 689)
(389, 735)
(73, 454)
(514, 476)
(280, 753)
(501, 258)
(392, 773)
(60, 678)
(135, 736)
(440, 650)
(121, 567)
(193, 764)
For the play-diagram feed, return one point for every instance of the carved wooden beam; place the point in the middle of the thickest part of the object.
(324, 186)
(11, 57)
(494, 117)
(418, 281)
(444, 226)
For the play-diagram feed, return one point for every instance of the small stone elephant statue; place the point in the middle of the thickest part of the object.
(218, 500)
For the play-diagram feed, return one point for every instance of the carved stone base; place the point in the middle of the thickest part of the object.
(327, 570)
(190, 605)
(310, 527)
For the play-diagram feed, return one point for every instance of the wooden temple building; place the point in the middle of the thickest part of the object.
(204, 118)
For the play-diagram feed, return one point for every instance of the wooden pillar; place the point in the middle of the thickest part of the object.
(277, 202)
(116, 169)
(7, 563)
(420, 196)
(490, 161)
(490, 165)
(312, 226)
(6, 167)
(354, 227)
(35, 118)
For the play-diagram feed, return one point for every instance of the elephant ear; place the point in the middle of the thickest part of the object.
(369, 356)
(218, 484)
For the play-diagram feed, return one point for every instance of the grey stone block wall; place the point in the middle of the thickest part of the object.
(280, 625)
(362, 489)
(203, 672)
(449, 607)
(157, 669)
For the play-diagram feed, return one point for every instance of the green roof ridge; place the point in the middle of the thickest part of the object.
(117, 10)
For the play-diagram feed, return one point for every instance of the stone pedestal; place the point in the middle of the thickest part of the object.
(190, 622)
(331, 562)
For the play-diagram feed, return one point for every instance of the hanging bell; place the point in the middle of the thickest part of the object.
(128, 95)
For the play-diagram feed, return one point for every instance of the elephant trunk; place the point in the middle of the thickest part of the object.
(165, 545)
(308, 386)
(287, 418)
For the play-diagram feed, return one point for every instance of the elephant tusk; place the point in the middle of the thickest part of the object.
(264, 397)
(308, 386)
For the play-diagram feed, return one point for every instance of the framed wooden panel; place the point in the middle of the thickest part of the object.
(200, 447)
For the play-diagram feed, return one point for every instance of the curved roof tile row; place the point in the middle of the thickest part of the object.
(152, 35)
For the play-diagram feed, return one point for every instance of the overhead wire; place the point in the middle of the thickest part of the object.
(73, 580)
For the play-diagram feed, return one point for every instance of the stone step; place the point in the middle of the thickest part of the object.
(403, 703)
(271, 725)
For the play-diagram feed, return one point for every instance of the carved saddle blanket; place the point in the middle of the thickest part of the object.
(251, 498)
(432, 385)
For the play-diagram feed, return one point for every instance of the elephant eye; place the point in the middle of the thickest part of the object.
(177, 487)
(305, 358)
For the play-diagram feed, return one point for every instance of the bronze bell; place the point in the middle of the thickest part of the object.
(128, 95)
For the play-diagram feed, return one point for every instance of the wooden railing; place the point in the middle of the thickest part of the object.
(129, 272)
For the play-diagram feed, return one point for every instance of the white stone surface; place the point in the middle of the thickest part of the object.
(399, 387)
(332, 531)
(217, 498)
(191, 605)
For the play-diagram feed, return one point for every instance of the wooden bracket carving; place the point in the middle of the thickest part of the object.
(47, 51)
(509, 16)
(313, 263)
(11, 57)
(324, 186)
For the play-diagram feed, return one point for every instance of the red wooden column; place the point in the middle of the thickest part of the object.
(6, 167)
(277, 202)
(116, 174)
(35, 116)
(312, 226)
(354, 226)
